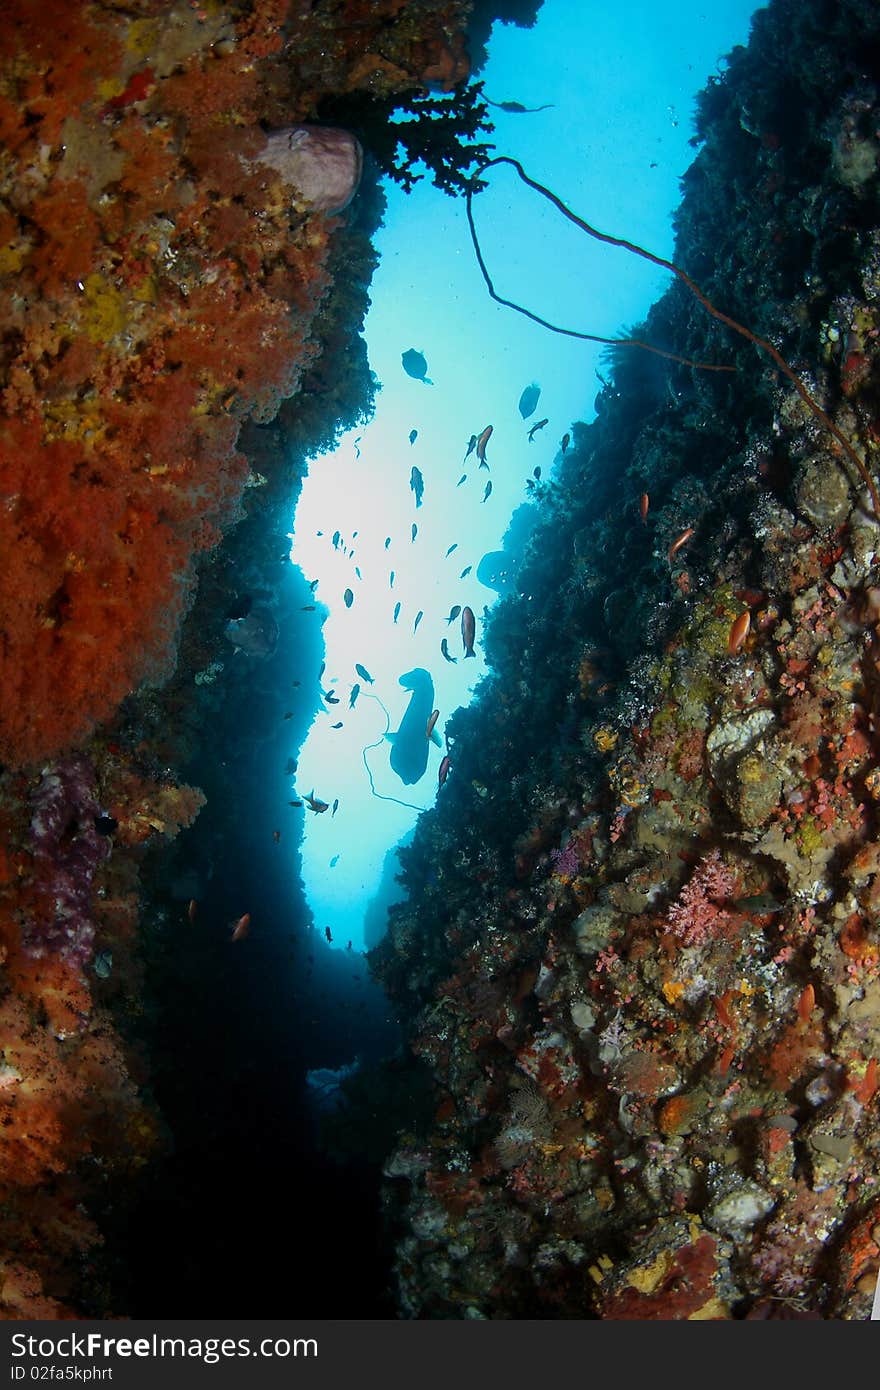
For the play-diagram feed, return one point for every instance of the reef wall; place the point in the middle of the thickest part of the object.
(640, 950)
(171, 286)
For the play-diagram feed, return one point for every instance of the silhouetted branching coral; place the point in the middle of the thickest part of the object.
(405, 131)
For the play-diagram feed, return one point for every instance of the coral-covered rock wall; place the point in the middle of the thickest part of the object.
(159, 287)
(640, 953)
(164, 293)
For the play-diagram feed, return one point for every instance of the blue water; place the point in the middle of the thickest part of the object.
(613, 145)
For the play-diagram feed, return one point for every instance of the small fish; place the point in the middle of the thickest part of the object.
(414, 532)
(453, 613)
(739, 632)
(539, 426)
(516, 108)
(417, 485)
(336, 726)
(454, 546)
(357, 572)
(313, 584)
(564, 442)
(482, 442)
(276, 836)
(465, 572)
(294, 803)
(289, 714)
(296, 684)
(192, 909)
(291, 767)
(363, 673)
(348, 598)
(355, 692)
(443, 773)
(309, 608)
(103, 964)
(334, 861)
(337, 536)
(529, 399)
(241, 927)
(391, 580)
(679, 542)
(335, 808)
(415, 365)
(413, 436)
(462, 479)
(419, 617)
(488, 493)
(472, 444)
(396, 611)
(763, 904)
(444, 647)
(356, 442)
(314, 804)
(432, 720)
(644, 502)
(330, 697)
(536, 473)
(468, 630)
(328, 933)
(387, 542)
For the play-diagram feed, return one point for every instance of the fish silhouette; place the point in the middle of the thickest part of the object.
(415, 365)
(528, 400)
(409, 747)
(516, 108)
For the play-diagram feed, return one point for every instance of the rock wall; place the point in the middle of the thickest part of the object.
(640, 951)
(166, 295)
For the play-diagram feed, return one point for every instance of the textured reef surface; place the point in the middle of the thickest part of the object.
(639, 960)
(184, 278)
(640, 956)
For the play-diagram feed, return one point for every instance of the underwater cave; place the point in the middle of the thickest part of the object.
(439, 660)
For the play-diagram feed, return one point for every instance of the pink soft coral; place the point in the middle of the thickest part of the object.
(698, 914)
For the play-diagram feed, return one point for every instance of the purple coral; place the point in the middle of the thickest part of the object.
(698, 913)
(566, 862)
(68, 848)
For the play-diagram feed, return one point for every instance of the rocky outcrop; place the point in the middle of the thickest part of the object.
(640, 950)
